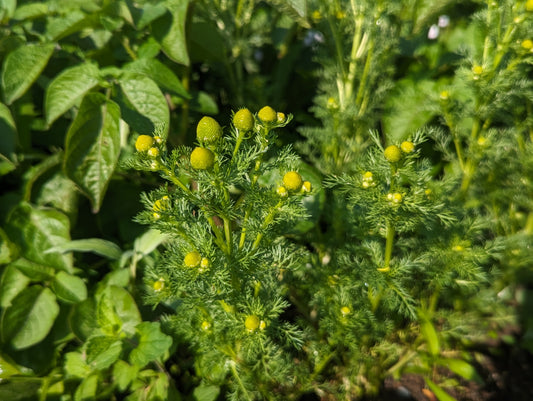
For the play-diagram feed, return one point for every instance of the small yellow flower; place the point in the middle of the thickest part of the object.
(393, 153)
(158, 140)
(153, 152)
(345, 311)
(340, 14)
(527, 44)
(368, 179)
(332, 103)
(529, 5)
(156, 216)
(282, 191)
(267, 115)
(397, 197)
(202, 159)
(204, 265)
(477, 70)
(306, 186)
(292, 181)
(252, 323)
(192, 259)
(262, 325)
(161, 204)
(444, 95)
(243, 120)
(208, 130)
(143, 143)
(205, 325)
(158, 285)
(280, 117)
(316, 15)
(407, 147)
(458, 248)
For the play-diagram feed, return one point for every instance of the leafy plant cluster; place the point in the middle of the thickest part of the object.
(155, 247)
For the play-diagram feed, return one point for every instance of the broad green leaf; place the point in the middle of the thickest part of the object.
(58, 192)
(23, 390)
(98, 246)
(117, 311)
(7, 368)
(68, 288)
(169, 30)
(34, 230)
(206, 392)
(123, 374)
(75, 365)
(30, 317)
(430, 335)
(146, 13)
(7, 9)
(438, 391)
(160, 73)
(206, 43)
(22, 67)
(83, 320)
(31, 11)
(203, 103)
(152, 344)
(93, 146)
(12, 283)
(150, 240)
(7, 249)
(86, 391)
(68, 88)
(462, 368)
(34, 271)
(102, 351)
(8, 142)
(64, 25)
(147, 100)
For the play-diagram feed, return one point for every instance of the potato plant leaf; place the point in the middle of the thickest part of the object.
(22, 67)
(169, 30)
(146, 98)
(68, 88)
(69, 288)
(93, 146)
(35, 230)
(30, 317)
(152, 344)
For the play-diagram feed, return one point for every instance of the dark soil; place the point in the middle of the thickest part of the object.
(507, 373)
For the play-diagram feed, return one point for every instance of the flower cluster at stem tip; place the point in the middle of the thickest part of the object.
(293, 182)
(393, 153)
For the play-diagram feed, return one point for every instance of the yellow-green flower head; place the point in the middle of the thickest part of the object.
(204, 265)
(158, 285)
(444, 95)
(192, 259)
(396, 197)
(392, 153)
(162, 204)
(477, 70)
(529, 5)
(267, 115)
(282, 191)
(205, 325)
(252, 323)
(208, 130)
(243, 120)
(153, 152)
(202, 159)
(345, 311)
(280, 117)
(527, 44)
(143, 143)
(306, 186)
(407, 147)
(292, 181)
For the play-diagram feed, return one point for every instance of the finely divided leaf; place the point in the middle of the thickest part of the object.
(22, 67)
(68, 88)
(93, 146)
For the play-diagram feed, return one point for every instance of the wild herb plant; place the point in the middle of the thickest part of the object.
(225, 208)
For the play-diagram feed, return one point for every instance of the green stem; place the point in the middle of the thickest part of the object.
(389, 244)
(239, 382)
(268, 220)
(364, 78)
